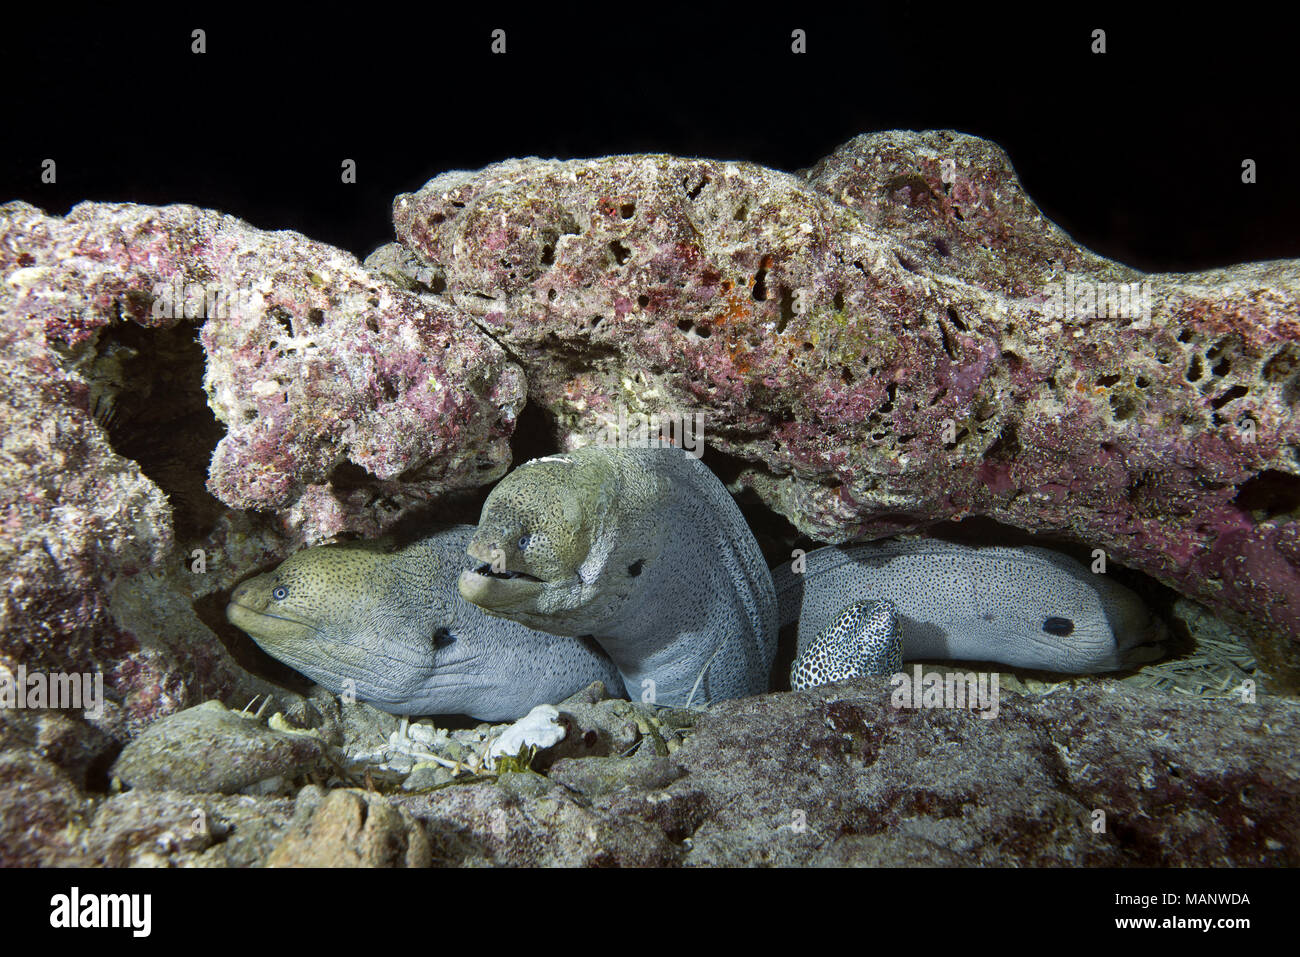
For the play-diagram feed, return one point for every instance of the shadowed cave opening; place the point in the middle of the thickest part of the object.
(146, 393)
(1270, 494)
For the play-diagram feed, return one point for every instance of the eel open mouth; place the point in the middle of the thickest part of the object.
(498, 591)
(507, 575)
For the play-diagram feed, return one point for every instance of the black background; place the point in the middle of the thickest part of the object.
(1137, 153)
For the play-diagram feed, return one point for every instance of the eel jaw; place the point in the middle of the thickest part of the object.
(493, 591)
(263, 628)
(1148, 644)
(498, 591)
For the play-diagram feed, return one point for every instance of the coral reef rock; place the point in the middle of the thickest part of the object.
(126, 436)
(1098, 775)
(208, 749)
(349, 828)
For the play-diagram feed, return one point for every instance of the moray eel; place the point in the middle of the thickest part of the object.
(863, 640)
(641, 548)
(1026, 607)
(645, 550)
(389, 620)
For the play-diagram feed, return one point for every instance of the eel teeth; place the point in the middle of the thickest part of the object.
(487, 572)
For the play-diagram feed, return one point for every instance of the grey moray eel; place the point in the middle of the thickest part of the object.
(1027, 607)
(645, 550)
(386, 618)
(642, 548)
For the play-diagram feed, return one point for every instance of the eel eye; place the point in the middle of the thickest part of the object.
(443, 637)
(1058, 626)
(280, 593)
(523, 542)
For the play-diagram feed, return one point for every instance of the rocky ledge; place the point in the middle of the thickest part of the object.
(1098, 774)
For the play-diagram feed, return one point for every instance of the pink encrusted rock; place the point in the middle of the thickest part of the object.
(886, 340)
(309, 359)
(331, 364)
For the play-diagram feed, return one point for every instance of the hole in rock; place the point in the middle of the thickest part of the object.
(891, 391)
(1281, 364)
(1236, 392)
(620, 252)
(146, 392)
(347, 476)
(280, 315)
(1269, 494)
(787, 309)
(1122, 405)
(948, 346)
(1006, 446)
(695, 192)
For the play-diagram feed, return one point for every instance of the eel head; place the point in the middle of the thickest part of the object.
(334, 613)
(538, 544)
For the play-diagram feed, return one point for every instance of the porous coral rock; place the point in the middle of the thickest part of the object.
(209, 749)
(349, 828)
(324, 375)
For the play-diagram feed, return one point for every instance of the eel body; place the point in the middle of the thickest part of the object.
(864, 639)
(644, 554)
(385, 622)
(1027, 607)
(643, 549)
